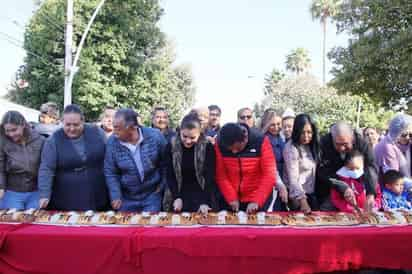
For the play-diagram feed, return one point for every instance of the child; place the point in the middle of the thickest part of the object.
(352, 175)
(394, 195)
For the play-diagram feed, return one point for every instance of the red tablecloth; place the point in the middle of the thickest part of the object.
(59, 250)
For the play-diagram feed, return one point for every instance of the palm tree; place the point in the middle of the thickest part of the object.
(298, 61)
(322, 10)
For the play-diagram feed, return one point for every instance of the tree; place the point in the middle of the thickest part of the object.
(298, 61)
(126, 60)
(377, 62)
(258, 110)
(322, 10)
(272, 79)
(305, 94)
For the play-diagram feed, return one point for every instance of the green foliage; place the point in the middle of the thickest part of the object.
(298, 61)
(272, 79)
(126, 60)
(323, 9)
(377, 61)
(304, 94)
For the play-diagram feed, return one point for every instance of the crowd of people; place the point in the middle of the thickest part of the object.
(281, 163)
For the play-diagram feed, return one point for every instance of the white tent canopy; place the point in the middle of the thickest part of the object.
(30, 114)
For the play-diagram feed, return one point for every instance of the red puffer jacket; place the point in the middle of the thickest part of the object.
(358, 187)
(248, 176)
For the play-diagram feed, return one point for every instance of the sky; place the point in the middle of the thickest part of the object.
(13, 16)
(230, 44)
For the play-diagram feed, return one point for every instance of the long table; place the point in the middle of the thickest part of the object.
(41, 249)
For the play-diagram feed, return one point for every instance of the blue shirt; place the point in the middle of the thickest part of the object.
(392, 200)
(212, 132)
(135, 151)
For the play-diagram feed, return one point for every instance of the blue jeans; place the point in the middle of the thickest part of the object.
(20, 200)
(152, 203)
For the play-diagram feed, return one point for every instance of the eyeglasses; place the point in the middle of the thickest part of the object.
(244, 117)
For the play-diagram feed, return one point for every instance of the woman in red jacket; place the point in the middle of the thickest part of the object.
(245, 168)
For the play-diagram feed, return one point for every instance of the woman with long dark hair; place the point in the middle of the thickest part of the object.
(191, 168)
(301, 155)
(20, 150)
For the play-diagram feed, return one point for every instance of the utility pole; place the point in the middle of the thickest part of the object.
(68, 54)
(324, 52)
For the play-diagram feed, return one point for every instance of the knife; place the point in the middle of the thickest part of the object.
(352, 203)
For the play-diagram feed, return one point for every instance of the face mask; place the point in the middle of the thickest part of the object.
(354, 174)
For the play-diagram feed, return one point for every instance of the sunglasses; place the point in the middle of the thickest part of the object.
(405, 135)
(244, 117)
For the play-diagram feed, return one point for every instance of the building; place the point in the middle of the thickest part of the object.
(30, 114)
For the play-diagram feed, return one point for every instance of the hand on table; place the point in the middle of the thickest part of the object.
(349, 196)
(234, 205)
(283, 193)
(178, 205)
(304, 206)
(252, 208)
(43, 202)
(158, 188)
(370, 203)
(204, 209)
(116, 204)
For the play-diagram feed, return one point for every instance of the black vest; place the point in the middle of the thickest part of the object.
(80, 184)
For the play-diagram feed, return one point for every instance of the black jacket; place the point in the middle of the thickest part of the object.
(331, 161)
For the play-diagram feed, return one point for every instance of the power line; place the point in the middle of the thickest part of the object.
(23, 27)
(44, 15)
(16, 23)
(11, 37)
(13, 42)
(18, 44)
(50, 20)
